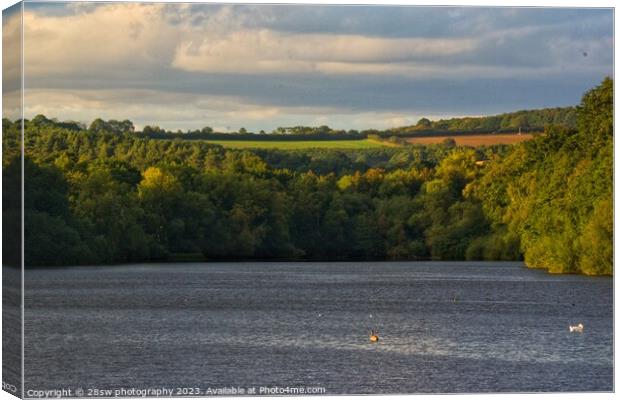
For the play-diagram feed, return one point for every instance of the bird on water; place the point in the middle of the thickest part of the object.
(374, 336)
(576, 328)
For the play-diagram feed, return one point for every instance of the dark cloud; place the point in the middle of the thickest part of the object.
(403, 21)
(362, 93)
(545, 57)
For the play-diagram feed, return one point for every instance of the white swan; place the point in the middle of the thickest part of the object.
(576, 328)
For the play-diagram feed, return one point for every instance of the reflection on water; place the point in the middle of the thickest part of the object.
(444, 327)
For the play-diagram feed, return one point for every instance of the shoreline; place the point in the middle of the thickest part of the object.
(519, 263)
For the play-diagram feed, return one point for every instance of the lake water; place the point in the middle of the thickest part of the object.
(444, 327)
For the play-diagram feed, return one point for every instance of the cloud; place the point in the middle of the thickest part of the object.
(11, 49)
(129, 39)
(11, 63)
(190, 111)
(265, 51)
(115, 38)
(475, 46)
(12, 105)
(262, 66)
(196, 111)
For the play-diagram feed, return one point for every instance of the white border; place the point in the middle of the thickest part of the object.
(484, 3)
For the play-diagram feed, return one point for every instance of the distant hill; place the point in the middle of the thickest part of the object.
(524, 120)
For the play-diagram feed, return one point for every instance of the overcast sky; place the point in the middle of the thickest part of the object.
(184, 66)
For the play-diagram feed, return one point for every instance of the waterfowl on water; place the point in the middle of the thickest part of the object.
(576, 328)
(374, 336)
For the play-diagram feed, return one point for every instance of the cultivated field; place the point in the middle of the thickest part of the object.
(304, 144)
(465, 140)
(475, 140)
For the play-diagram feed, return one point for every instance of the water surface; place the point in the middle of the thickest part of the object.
(444, 327)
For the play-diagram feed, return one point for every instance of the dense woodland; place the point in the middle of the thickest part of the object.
(525, 120)
(107, 194)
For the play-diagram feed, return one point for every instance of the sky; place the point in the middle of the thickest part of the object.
(186, 66)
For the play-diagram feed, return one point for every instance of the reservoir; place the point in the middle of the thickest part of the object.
(444, 327)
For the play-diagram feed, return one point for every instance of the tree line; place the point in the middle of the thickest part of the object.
(520, 121)
(524, 120)
(98, 197)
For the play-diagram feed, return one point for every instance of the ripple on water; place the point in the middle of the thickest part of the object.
(444, 327)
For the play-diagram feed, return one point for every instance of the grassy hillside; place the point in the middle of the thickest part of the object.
(473, 140)
(305, 144)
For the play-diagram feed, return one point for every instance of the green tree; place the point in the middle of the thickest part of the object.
(424, 123)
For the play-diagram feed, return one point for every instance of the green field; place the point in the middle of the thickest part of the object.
(302, 144)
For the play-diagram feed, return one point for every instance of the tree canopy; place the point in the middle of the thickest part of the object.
(107, 194)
